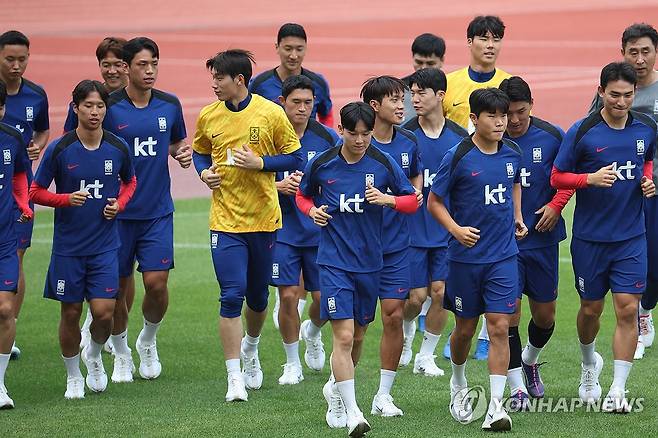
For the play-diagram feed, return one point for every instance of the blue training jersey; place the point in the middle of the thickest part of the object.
(616, 213)
(13, 162)
(539, 147)
(403, 148)
(83, 231)
(148, 131)
(268, 84)
(425, 231)
(352, 240)
(480, 187)
(298, 229)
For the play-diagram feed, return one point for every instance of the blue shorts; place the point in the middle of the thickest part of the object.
(348, 295)
(290, 260)
(23, 230)
(476, 288)
(74, 279)
(150, 242)
(394, 279)
(8, 267)
(617, 266)
(427, 265)
(242, 264)
(538, 273)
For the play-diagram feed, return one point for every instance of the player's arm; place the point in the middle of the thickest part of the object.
(127, 188)
(467, 236)
(417, 182)
(39, 193)
(304, 198)
(289, 184)
(520, 228)
(20, 189)
(403, 199)
(181, 152)
(201, 154)
(36, 145)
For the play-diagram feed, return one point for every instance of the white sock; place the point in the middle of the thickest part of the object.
(497, 385)
(459, 374)
(588, 353)
(313, 331)
(621, 371)
(4, 361)
(72, 365)
(292, 352)
(408, 329)
(88, 319)
(233, 366)
(515, 380)
(150, 329)
(643, 311)
(301, 304)
(484, 334)
(386, 378)
(346, 389)
(426, 306)
(530, 354)
(429, 343)
(250, 345)
(94, 349)
(120, 343)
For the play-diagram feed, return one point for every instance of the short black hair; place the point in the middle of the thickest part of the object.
(85, 88)
(381, 86)
(433, 78)
(3, 93)
(296, 82)
(516, 89)
(616, 71)
(14, 38)
(354, 112)
(291, 30)
(637, 31)
(488, 100)
(480, 25)
(232, 62)
(136, 45)
(428, 44)
(110, 45)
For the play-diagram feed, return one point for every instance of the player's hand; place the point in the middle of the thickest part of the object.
(77, 199)
(319, 215)
(419, 196)
(184, 156)
(604, 177)
(290, 184)
(247, 159)
(210, 177)
(374, 196)
(111, 209)
(467, 236)
(548, 219)
(26, 216)
(33, 151)
(648, 187)
(520, 230)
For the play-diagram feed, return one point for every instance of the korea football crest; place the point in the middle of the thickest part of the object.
(108, 167)
(6, 156)
(370, 179)
(162, 124)
(640, 146)
(310, 155)
(536, 155)
(254, 134)
(404, 157)
(510, 170)
(29, 113)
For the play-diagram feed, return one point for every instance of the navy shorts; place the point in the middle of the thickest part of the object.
(427, 265)
(476, 288)
(8, 267)
(74, 279)
(395, 280)
(150, 242)
(601, 266)
(538, 273)
(242, 264)
(23, 230)
(348, 295)
(290, 260)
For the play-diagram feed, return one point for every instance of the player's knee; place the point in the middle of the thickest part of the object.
(545, 317)
(230, 306)
(288, 295)
(156, 286)
(627, 312)
(71, 314)
(392, 317)
(416, 299)
(498, 327)
(592, 310)
(257, 303)
(343, 340)
(6, 310)
(463, 333)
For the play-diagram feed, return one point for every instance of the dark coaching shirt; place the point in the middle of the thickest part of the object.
(298, 229)
(616, 213)
(539, 147)
(352, 240)
(13, 162)
(403, 148)
(425, 231)
(148, 132)
(83, 231)
(480, 187)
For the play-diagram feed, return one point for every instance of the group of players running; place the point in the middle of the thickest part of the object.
(386, 209)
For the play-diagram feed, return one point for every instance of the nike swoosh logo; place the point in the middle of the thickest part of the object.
(402, 289)
(331, 181)
(476, 173)
(601, 149)
(639, 284)
(164, 261)
(457, 104)
(216, 135)
(72, 166)
(120, 127)
(8, 282)
(109, 289)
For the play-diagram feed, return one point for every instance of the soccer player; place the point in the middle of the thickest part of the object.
(109, 54)
(429, 240)
(480, 177)
(427, 51)
(94, 180)
(607, 157)
(27, 110)
(296, 248)
(385, 94)
(538, 256)
(240, 142)
(151, 122)
(291, 48)
(13, 188)
(343, 191)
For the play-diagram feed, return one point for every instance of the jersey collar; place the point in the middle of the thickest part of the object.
(480, 77)
(242, 105)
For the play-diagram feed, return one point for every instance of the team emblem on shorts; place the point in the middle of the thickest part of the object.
(458, 304)
(60, 287)
(310, 155)
(275, 270)
(162, 123)
(214, 238)
(581, 284)
(29, 113)
(655, 106)
(331, 304)
(108, 167)
(536, 155)
(254, 134)
(405, 159)
(510, 170)
(640, 147)
(6, 156)
(370, 179)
